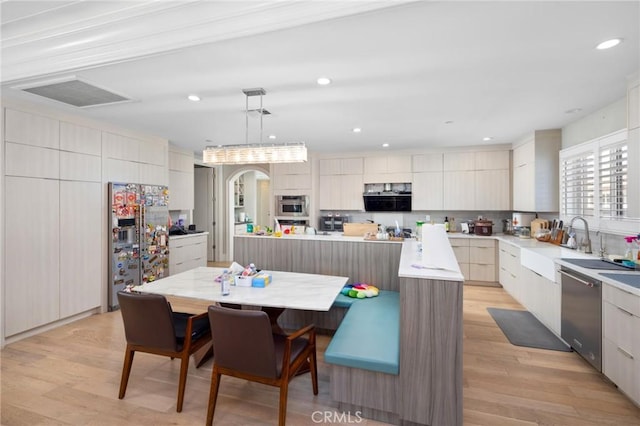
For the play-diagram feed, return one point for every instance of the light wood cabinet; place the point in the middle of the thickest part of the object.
(388, 169)
(120, 147)
(181, 180)
(81, 234)
(31, 129)
(482, 259)
(476, 181)
(291, 176)
(187, 252)
(428, 191)
(80, 139)
(458, 190)
(621, 339)
(427, 163)
(341, 184)
(535, 172)
(32, 286)
(541, 297)
(509, 269)
(460, 248)
(31, 161)
(77, 166)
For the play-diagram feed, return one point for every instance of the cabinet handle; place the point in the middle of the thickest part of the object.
(625, 353)
(625, 311)
(513, 255)
(513, 276)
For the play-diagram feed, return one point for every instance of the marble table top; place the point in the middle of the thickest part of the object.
(288, 290)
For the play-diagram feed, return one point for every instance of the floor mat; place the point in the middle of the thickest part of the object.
(523, 329)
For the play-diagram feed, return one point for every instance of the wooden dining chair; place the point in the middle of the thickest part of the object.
(245, 347)
(151, 326)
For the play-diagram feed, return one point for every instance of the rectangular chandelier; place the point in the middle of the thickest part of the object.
(295, 152)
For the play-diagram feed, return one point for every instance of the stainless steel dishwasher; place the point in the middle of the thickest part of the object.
(582, 315)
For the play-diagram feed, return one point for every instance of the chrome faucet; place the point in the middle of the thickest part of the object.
(603, 250)
(587, 240)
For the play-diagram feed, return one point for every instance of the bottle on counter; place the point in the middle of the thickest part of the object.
(225, 284)
(446, 224)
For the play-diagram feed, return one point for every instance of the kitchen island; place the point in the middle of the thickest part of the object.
(428, 388)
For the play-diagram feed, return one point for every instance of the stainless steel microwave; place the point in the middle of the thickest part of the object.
(292, 205)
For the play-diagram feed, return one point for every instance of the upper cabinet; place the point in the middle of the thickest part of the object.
(535, 172)
(476, 180)
(389, 169)
(291, 176)
(181, 179)
(341, 184)
(427, 182)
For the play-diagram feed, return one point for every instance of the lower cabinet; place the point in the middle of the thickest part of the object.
(541, 297)
(187, 252)
(509, 270)
(476, 257)
(621, 339)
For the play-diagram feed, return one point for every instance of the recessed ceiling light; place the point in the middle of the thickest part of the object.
(272, 136)
(356, 130)
(323, 81)
(609, 44)
(573, 110)
(194, 98)
(487, 138)
(385, 145)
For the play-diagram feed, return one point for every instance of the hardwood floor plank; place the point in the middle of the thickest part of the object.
(71, 375)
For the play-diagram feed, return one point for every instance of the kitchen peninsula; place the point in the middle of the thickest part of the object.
(428, 387)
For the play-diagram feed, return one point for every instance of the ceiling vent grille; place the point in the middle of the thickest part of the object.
(75, 92)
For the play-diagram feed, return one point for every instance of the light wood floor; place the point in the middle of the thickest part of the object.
(71, 375)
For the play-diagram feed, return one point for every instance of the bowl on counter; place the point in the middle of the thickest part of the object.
(543, 235)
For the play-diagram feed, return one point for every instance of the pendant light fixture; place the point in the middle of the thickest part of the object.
(294, 152)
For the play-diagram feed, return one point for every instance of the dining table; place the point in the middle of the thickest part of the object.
(285, 290)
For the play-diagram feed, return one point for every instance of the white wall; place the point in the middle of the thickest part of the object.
(602, 122)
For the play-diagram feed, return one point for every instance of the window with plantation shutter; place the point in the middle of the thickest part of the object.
(613, 177)
(577, 184)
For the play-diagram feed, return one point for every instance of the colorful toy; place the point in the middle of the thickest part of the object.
(360, 290)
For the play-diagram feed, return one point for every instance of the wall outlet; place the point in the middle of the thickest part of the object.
(427, 218)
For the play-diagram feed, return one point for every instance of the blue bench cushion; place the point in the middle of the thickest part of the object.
(369, 335)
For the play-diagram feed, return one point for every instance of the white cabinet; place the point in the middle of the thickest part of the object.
(81, 231)
(31, 161)
(535, 172)
(187, 252)
(476, 180)
(84, 140)
(32, 286)
(291, 176)
(389, 169)
(181, 179)
(341, 185)
(621, 339)
(427, 182)
(509, 269)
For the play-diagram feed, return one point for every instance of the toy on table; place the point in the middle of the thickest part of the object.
(360, 290)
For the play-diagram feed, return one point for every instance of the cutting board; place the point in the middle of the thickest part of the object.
(538, 224)
(359, 229)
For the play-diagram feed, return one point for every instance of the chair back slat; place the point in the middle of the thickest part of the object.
(147, 320)
(243, 341)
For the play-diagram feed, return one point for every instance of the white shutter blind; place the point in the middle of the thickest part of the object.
(577, 184)
(613, 176)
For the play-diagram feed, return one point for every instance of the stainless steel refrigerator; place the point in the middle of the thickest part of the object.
(139, 243)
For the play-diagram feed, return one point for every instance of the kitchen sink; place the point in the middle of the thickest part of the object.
(629, 279)
(597, 264)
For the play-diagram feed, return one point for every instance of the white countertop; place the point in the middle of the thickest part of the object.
(331, 236)
(178, 237)
(288, 289)
(411, 265)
